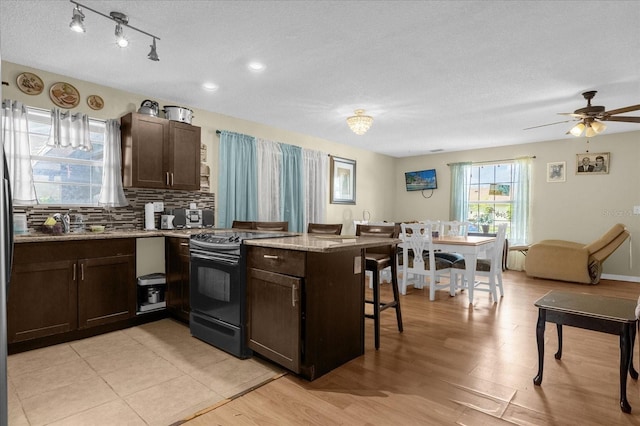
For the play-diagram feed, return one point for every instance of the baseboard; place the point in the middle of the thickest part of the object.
(620, 278)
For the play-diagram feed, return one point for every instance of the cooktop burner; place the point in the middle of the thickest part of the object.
(213, 241)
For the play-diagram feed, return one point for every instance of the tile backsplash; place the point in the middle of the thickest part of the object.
(121, 218)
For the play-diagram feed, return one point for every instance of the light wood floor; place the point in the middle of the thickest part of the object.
(456, 364)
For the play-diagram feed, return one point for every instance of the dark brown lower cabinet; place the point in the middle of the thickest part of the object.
(177, 273)
(43, 299)
(105, 293)
(62, 286)
(305, 309)
(275, 317)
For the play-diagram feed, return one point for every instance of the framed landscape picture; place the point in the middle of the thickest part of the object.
(343, 181)
(557, 171)
(592, 163)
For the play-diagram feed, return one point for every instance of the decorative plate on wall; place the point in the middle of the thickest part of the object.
(30, 83)
(95, 102)
(64, 95)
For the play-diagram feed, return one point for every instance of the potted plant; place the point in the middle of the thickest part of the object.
(484, 220)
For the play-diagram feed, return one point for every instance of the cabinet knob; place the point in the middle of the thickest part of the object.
(270, 256)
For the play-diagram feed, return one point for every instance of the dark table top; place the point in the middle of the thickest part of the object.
(589, 305)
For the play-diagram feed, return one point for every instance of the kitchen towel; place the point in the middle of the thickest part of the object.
(149, 219)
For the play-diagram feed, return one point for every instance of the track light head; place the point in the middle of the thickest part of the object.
(77, 21)
(121, 40)
(153, 55)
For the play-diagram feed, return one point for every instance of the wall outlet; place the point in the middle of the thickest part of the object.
(158, 206)
(636, 209)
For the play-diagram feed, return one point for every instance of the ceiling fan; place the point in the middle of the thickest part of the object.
(591, 117)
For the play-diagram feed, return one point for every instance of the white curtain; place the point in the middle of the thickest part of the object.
(520, 216)
(459, 200)
(269, 171)
(316, 177)
(111, 192)
(69, 130)
(15, 139)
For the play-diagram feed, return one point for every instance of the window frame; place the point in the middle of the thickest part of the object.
(39, 128)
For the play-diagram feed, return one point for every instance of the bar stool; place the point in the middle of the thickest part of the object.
(324, 228)
(377, 259)
(272, 226)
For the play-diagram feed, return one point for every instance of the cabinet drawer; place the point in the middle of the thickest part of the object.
(180, 246)
(289, 262)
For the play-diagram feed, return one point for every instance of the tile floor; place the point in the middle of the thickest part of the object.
(154, 374)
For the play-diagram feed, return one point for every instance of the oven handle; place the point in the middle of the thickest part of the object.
(293, 295)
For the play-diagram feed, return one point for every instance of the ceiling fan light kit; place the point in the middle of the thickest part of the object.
(121, 20)
(588, 117)
(360, 123)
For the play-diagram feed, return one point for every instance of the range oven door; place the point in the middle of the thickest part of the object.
(216, 295)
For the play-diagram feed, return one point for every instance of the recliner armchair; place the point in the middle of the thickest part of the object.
(571, 261)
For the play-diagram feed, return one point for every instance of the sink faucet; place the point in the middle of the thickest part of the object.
(66, 221)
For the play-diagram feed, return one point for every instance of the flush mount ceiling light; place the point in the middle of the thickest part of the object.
(121, 20)
(360, 123)
(256, 66)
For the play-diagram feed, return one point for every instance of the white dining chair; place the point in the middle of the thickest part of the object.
(489, 268)
(418, 260)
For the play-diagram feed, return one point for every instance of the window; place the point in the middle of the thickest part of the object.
(64, 176)
(491, 196)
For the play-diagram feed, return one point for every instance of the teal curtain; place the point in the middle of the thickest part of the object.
(459, 201)
(292, 187)
(238, 186)
(520, 214)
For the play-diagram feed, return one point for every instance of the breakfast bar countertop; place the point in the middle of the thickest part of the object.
(322, 243)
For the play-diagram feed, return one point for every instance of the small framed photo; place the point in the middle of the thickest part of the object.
(592, 163)
(557, 171)
(343, 181)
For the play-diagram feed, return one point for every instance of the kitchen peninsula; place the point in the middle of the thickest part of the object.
(306, 300)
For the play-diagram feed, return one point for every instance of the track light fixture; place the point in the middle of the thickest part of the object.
(121, 20)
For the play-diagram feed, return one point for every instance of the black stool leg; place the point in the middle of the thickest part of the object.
(396, 293)
(376, 306)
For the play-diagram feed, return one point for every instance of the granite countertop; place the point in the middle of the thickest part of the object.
(88, 235)
(322, 243)
(299, 242)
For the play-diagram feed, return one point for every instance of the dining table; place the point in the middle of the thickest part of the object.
(469, 247)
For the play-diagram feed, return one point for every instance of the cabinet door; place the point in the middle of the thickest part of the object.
(106, 290)
(42, 300)
(145, 151)
(177, 264)
(184, 156)
(274, 317)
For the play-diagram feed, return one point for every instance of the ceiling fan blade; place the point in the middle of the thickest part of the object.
(550, 124)
(623, 110)
(625, 119)
(573, 114)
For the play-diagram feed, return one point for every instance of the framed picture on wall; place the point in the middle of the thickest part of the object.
(592, 163)
(343, 181)
(557, 171)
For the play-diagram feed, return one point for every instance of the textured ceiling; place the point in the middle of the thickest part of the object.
(449, 75)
